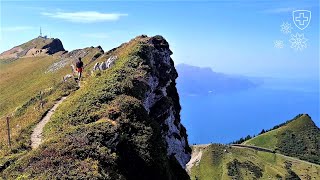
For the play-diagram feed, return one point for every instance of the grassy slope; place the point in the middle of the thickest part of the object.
(214, 164)
(23, 78)
(79, 139)
(211, 163)
(38, 43)
(20, 83)
(299, 138)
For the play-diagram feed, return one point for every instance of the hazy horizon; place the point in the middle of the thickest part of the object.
(235, 36)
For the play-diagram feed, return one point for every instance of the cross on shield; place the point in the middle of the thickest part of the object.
(301, 18)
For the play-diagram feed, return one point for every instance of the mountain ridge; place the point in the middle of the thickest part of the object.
(231, 162)
(255, 159)
(299, 137)
(36, 47)
(122, 120)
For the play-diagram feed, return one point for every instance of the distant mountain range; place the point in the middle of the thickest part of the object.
(195, 80)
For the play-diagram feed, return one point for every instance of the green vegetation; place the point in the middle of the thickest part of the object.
(27, 93)
(23, 78)
(235, 167)
(248, 137)
(102, 131)
(241, 140)
(299, 137)
(20, 85)
(24, 120)
(37, 43)
(211, 163)
(225, 162)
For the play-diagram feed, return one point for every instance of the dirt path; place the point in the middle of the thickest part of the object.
(195, 156)
(254, 147)
(272, 151)
(36, 136)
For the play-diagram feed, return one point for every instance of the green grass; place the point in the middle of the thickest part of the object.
(298, 138)
(211, 166)
(22, 124)
(102, 130)
(20, 84)
(38, 43)
(22, 79)
(267, 140)
(217, 160)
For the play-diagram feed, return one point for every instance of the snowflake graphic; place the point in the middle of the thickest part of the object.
(298, 41)
(286, 28)
(278, 44)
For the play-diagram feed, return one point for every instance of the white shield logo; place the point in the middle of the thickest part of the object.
(301, 18)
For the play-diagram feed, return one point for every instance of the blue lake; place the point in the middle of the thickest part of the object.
(222, 118)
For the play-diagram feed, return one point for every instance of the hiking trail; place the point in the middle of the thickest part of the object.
(195, 156)
(36, 136)
(294, 159)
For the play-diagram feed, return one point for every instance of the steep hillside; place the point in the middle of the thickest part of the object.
(123, 123)
(228, 162)
(30, 85)
(27, 75)
(299, 137)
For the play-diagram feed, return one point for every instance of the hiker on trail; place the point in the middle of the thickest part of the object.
(79, 66)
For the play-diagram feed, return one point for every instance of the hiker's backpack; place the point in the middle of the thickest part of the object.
(79, 64)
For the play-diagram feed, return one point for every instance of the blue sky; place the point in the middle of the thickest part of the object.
(230, 36)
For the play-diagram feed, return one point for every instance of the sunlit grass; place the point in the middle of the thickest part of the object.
(270, 163)
(298, 138)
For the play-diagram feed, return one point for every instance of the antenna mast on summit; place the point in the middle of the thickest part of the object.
(40, 32)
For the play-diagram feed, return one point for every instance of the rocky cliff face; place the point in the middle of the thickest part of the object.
(54, 46)
(123, 123)
(162, 100)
